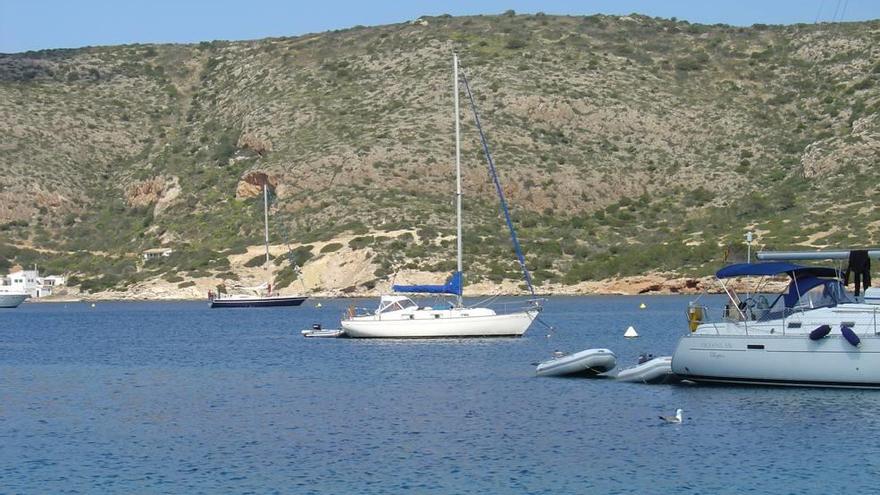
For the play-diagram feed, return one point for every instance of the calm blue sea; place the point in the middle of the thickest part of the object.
(178, 398)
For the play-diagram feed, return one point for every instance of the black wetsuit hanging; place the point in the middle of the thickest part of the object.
(860, 266)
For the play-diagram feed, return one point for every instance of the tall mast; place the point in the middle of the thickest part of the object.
(457, 167)
(266, 221)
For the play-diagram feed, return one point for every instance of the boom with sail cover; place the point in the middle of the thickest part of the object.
(452, 286)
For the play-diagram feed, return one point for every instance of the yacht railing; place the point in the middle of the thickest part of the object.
(508, 307)
(745, 317)
(753, 319)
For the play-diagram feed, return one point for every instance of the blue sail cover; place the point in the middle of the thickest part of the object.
(452, 286)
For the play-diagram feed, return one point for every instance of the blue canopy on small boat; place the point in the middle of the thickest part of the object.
(775, 268)
(452, 286)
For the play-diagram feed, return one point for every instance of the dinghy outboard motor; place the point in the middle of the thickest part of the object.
(316, 326)
(850, 336)
(820, 332)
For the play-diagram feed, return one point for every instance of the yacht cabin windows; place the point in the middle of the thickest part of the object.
(397, 305)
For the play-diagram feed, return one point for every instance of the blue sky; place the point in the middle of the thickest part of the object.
(38, 24)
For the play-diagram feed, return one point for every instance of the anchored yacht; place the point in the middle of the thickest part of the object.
(11, 299)
(812, 334)
(400, 317)
(263, 296)
(11, 295)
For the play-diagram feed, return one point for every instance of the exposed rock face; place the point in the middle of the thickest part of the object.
(339, 273)
(251, 185)
(169, 194)
(24, 202)
(145, 193)
(653, 283)
(159, 191)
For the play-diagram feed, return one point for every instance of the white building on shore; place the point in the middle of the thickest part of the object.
(156, 253)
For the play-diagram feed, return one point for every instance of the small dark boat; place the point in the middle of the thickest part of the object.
(245, 301)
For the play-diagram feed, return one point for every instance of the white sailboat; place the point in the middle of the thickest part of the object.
(399, 317)
(812, 334)
(263, 296)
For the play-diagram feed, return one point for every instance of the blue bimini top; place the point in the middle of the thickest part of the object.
(776, 268)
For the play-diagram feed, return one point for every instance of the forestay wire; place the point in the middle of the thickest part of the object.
(291, 260)
(488, 155)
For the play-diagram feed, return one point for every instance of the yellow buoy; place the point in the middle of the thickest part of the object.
(642, 306)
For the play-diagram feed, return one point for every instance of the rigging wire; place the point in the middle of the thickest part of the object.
(836, 8)
(491, 163)
(504, 209)
(297, 270)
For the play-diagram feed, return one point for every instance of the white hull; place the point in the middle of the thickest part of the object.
(12, 300)
(656, 370)
(779, 360)
(449, 324)
(587, 362)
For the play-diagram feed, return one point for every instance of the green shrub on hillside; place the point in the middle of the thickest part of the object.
(258, 260)
(361, 242)
(300, 255)
(331, 247)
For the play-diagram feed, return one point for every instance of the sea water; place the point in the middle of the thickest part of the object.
(180, 398)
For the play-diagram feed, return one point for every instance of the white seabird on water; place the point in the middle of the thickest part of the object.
(673, 419)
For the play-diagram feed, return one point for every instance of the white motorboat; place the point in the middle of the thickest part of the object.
(589, 362)
(650, 369)
(399, 317)
(13, 291)
(12, 299)
(812, 334)
(263, 296)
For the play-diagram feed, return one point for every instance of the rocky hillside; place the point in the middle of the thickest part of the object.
(625, 144)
